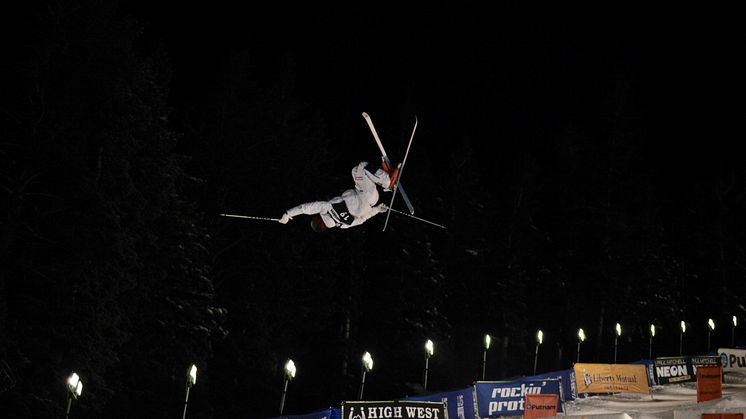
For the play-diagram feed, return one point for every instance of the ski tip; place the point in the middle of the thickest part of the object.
(365, 115)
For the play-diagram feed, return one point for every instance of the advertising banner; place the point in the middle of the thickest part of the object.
(681, 369)
(402, 409)
(611, 378)
(540, 405)
(734, 360)
(567, 382)
(331, 413)
(504, 398)
(709, 383)
(459, 403)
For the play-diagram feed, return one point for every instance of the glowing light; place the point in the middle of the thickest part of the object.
(683, 326)
(711, 324)
(192, 376)
(487, 341)
(652, 330)
(290, 369)
(75, 385)
(581, 335)
(367, 361)
(539, 337)
(429, 349)
(618, 329)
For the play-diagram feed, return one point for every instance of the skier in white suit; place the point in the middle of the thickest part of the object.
(354, 206)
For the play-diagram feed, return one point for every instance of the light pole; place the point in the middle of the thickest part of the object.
(681, 338)
(191, 379)
(618, 329)
(539, 340)
(367, 367)
(581, 338)
(74, 390)
(650, 346)
(733, 332)
(429, 350)
(487, 342)
(710, 329)
(289, 375)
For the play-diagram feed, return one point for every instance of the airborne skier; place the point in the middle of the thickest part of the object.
(354, 206)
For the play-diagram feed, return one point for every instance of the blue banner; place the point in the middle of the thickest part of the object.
(567, 377)
(330, 413)
(503, 398)
(460, 402)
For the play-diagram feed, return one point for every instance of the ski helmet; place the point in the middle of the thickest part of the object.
(317, 223)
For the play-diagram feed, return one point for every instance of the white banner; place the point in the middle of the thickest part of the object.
(734, 360)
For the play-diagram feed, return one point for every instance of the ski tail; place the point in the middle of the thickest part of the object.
(401, 171)
(386, 159)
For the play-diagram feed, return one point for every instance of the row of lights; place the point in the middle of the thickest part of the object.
(618, 330)
(367, 362)
(75, 389)
(75, 384)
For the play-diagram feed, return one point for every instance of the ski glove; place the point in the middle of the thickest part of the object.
(382, 208)
(285, 218)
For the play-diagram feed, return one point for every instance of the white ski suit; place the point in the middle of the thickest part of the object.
(354, 206)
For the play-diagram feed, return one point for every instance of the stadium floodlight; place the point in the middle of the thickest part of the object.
(733, 332)
(367, 367)
(74, 390)
(618, 329)
(191, 379)
(681, 338)
(429, 351)
(429, 348)
(487, 342)
(367, 362)
(581, 339)
(539, 341)
(710, 329)
(290, 371)
(650, 345)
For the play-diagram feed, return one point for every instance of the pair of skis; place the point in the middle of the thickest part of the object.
(397, 185)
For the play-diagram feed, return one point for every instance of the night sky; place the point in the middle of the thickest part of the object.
(584, 162)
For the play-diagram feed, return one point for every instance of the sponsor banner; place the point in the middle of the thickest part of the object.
(402, 409)
(611, 378)
(648, 368)
(540, 405)
(459, 403)
(681, 369)
(709, 383)
(331, 413)
(734, 360)
(504, 398)
(567, 382)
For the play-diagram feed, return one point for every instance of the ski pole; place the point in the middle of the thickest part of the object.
(250, 217)
(417, 218)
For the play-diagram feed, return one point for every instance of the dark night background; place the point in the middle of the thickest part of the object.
(585, 165)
